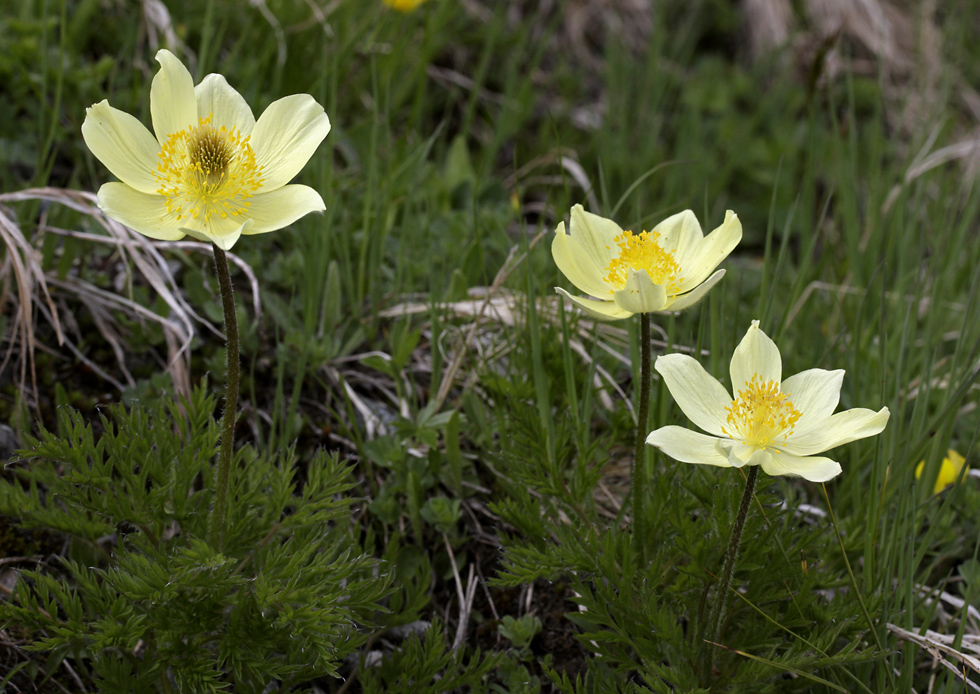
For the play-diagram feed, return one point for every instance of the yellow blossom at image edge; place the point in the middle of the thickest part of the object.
(949, 470)
(403, 5)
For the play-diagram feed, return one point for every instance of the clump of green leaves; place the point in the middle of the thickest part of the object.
(792, 617)
(520, 632)
(426, 666)
(143, 602)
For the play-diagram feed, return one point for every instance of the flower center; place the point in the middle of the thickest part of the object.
(761, 415)
(206, 171)
(643, 252)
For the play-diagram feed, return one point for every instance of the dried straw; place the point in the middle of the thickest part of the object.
(140, 260)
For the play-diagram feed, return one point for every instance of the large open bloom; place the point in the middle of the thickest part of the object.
(667, 268)
(212, 171)
(777, 424)
(949, 471)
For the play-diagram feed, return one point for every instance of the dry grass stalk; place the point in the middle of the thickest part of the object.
(25, 263)
(768, 24)
(138, 257)
(941, 648)
(882, 29)
(159, 27)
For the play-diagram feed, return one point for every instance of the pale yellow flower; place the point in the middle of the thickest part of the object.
(666, 269)
(949, 471)
(403, 5)
(777, 424)
(212, 171)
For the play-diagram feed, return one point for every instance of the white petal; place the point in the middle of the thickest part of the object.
(755, 354)
(815, 393)
(223, 238)
(687, 446)
(699, 395)
(595, 235)
(223, 231)
(683, 301)
(837, 430)
(640, 295)
(601, 310)
(812, 468)
(285, 137)
(172, 103)
(123, 144)
(144, 213)
(225, 106)
(574, 259)
(280, 208)
(739, 454)
(699, 261)
(680, 234)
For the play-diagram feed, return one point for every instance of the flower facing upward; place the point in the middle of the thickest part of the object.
(949, 472)
(777, 424)
(212, 171)
(668, 268)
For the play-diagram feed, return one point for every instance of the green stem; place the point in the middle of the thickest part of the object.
(639, 477)
(231, 400)
(718, 607)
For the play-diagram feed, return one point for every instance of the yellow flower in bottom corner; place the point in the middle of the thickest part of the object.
(949, 471)
(403, 5)
(778, 424)
(212, 171)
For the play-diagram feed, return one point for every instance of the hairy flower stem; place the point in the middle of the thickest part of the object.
(718, 608)
(217, 529)
(639, 477)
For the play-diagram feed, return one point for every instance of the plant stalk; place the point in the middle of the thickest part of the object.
(226, 445)
(718, 608)
(639, 476)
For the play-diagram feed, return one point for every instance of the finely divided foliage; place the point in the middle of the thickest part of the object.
(280, 602)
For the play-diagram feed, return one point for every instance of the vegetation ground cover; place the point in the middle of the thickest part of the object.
(432, 481)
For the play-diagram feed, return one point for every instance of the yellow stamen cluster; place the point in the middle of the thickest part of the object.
(761, 415)
(643, 252)
(207, 171)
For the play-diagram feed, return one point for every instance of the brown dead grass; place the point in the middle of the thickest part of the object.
(32, 295)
